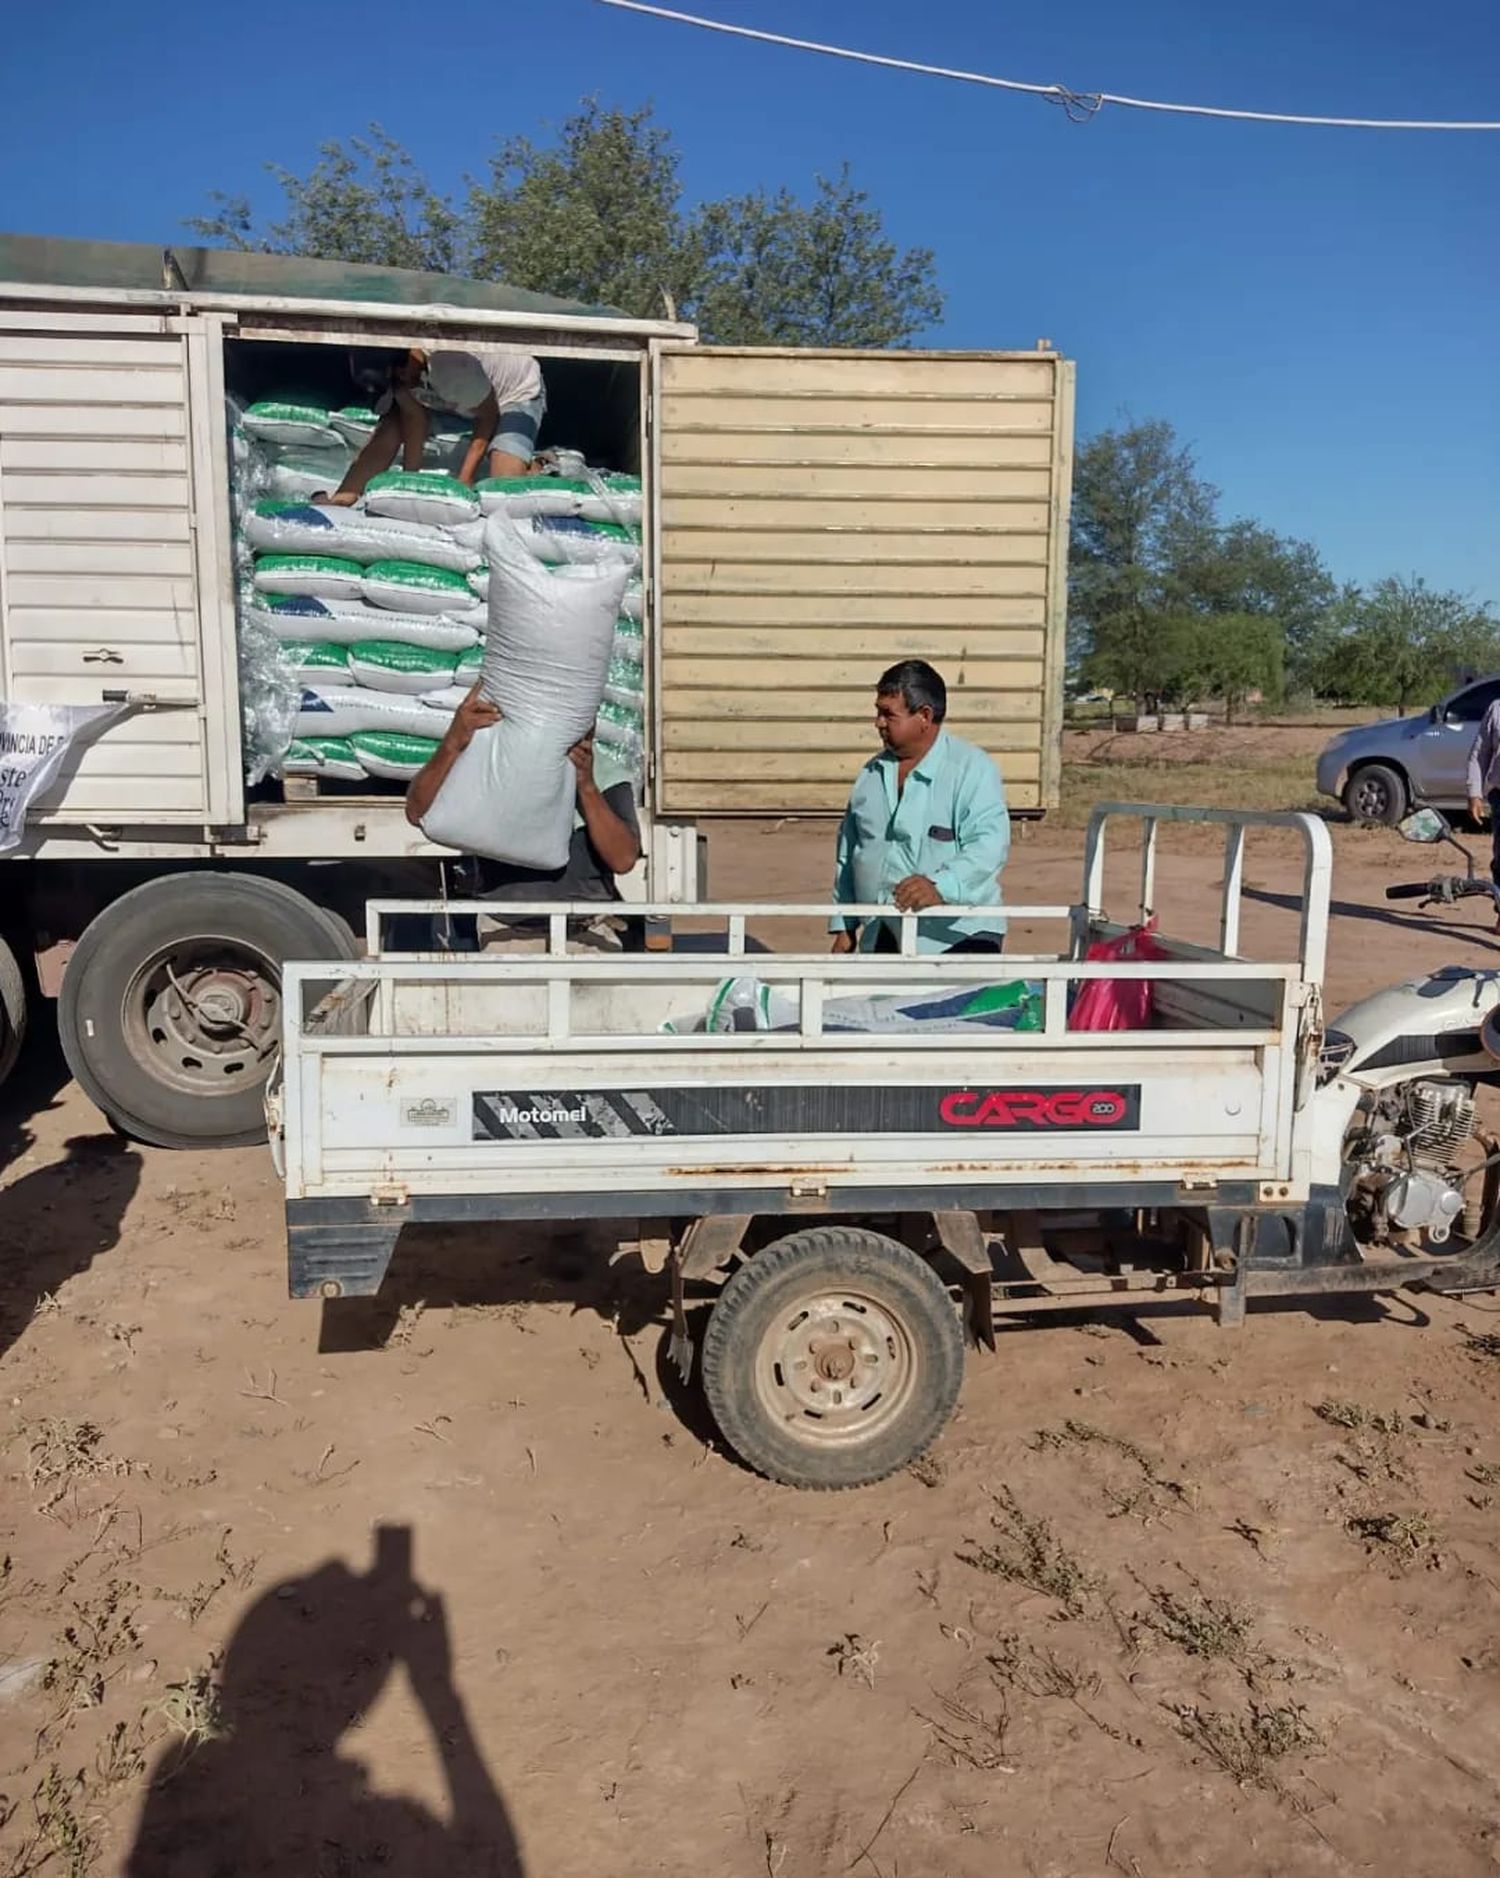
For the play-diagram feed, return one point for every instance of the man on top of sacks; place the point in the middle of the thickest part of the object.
(500, 393)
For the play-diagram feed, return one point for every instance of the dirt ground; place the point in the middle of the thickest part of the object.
(462, 1582)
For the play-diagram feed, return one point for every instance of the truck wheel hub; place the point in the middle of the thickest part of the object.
(834, 1361)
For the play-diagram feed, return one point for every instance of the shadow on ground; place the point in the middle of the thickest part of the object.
(271, 1790)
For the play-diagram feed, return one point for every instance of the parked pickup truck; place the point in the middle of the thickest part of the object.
(863, 1195)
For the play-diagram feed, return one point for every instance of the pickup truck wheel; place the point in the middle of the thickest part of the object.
(832, 1358)
(170, 1011)
(1376, 795)
(12, 1010)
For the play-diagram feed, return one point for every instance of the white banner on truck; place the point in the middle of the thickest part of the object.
(34, 743)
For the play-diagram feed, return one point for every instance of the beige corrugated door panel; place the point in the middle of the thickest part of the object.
(101, 562)
(819, 515)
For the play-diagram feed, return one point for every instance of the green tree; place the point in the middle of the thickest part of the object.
(597, 215)
(1140, 513)
(1247, 570)
(1230, 656)
(1404, 643)
(774, 271)
(365, 201)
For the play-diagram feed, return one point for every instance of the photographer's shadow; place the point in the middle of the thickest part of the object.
(273, 1791)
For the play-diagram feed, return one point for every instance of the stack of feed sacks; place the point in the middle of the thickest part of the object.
(363, 628)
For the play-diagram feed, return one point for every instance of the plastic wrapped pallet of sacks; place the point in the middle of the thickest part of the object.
(510, 796)
(276, 527)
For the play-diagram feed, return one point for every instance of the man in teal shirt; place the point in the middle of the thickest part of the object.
(926, 826)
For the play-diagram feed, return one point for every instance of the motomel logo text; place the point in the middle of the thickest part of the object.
(511, 1116)
(1035, 1108)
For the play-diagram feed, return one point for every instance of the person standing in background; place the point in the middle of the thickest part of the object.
(1484, 784)
(501, 393)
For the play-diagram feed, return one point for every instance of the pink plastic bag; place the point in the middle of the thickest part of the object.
(1113, 1004)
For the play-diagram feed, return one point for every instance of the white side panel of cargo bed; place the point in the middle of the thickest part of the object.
(820, 515)
(99, 564)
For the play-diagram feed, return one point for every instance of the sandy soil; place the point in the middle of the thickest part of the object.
(461, 1582)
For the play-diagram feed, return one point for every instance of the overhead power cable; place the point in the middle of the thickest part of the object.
(1079, 105)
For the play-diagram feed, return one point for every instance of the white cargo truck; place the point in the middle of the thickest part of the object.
(809, 518)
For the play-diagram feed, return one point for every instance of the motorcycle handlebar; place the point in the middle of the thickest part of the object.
(1410, 890)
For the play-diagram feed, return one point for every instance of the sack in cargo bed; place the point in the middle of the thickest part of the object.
(392, 754)
(315, 655)
(331, 758)
(343, 622)
(557, 540)
(278, 420)
(310, 576)
(345, 710)
(277, 527)
(520, 496)
(355, 423)
(408, 587)
(511, 795)
(422, 496)
(296, 477)
(388, 665)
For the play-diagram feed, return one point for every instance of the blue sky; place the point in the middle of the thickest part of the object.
(1315, 310)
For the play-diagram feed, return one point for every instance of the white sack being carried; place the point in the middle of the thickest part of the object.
(510, 795)
(294, 617)
(346, 710)
(276, 527)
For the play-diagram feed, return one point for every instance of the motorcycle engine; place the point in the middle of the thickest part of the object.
(1404, 1183)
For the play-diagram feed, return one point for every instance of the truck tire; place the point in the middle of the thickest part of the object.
(170, 1011)
(1376, 795)
(12, 1010)
(832, 1358)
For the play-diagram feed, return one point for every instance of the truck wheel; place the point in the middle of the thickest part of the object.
(12, 1010)
(832, 1358)
(1376, 795)
(170, 1011)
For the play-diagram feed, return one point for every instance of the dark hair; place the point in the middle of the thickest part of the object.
(916, 684)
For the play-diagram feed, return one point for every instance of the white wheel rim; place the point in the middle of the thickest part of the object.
(835, 1368)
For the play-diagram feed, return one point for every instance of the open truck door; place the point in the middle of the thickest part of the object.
(819, 515)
